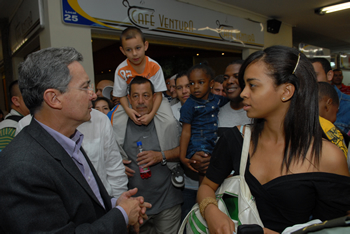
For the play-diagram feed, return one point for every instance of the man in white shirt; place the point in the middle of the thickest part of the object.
(232, 114)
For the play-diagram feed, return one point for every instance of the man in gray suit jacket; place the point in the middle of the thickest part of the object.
(48, 183)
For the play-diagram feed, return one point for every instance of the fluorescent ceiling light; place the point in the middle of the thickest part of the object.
(333, 8)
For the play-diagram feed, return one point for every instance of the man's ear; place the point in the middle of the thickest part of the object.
(330, 75)
(52, 98)
(288, 92)
(122, 50)
(15, 101)
(146, 45)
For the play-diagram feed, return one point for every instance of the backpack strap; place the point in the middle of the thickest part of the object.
(16, 118)
(245, 150)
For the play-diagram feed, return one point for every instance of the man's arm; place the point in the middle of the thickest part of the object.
(153, 157)
(35, 192)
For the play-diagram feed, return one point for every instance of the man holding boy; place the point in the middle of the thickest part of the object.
(160, 143)
(134, 46)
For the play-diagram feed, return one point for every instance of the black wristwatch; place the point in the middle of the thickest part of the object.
(164, 159)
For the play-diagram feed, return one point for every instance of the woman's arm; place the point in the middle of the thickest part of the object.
(217, 221)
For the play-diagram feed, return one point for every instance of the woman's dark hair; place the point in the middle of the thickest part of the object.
(301, 124)
(202, 66)
(110, 104)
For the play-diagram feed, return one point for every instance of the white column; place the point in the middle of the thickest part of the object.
(58, 34)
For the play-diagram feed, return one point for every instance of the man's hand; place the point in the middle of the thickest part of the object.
(128, 171)
(133, 115)
(187, 162)
(135, 207)
(149, 158)
(200, 161)
(146, 119)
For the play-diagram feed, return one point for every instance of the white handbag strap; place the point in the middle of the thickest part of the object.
(245, 150)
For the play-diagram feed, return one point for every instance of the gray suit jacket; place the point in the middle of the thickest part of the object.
(42, 190)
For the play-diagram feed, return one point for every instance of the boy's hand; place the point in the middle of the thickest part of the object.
(146, 119)
(134, 115)
(187, 162)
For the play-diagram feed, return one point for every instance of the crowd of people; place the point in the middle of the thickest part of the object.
(138, 153)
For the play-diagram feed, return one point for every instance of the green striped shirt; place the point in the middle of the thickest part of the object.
(6, 136)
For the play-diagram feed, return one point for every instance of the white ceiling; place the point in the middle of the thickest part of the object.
(330, 31)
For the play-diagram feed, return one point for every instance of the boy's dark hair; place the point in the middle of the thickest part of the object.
(337, 70)
(131, 32)
(202, 66)
(324, 62)
(220, 79)
(327, 90)
(110, 104)
(180, 74)
(140, 80)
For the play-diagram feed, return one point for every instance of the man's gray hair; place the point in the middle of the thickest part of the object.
(45, 69)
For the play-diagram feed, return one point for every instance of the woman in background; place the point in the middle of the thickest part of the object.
(102, 104)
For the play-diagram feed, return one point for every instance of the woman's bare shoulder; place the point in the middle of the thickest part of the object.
(332, 159)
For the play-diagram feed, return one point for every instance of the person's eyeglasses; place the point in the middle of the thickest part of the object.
(90, 89)
(145, 96)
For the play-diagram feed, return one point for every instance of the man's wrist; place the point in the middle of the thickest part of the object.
(164, 161)
(126, 218)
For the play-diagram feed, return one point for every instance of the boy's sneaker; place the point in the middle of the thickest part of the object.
(177, 176)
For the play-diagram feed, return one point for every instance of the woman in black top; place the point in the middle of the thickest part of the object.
(293, 174)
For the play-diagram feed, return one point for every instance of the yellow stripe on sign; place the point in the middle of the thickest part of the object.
(75, 6)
